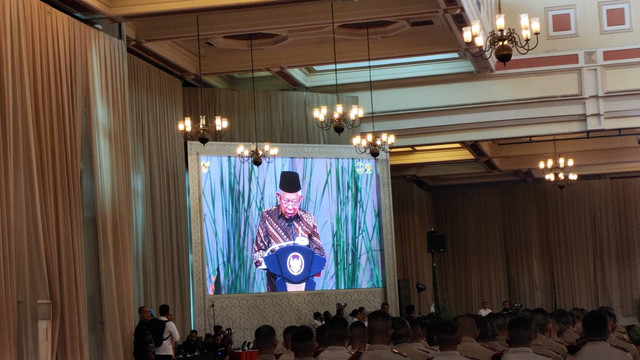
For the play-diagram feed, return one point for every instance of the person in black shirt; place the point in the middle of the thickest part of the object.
(143, 347)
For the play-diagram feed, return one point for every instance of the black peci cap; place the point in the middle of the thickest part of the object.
(290, 182)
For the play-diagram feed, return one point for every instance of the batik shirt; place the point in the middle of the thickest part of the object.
(275, 228)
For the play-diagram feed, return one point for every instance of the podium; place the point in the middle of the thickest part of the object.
(294, 267)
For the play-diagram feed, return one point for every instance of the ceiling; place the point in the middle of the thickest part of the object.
(290, 38)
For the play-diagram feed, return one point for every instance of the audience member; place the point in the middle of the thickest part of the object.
(317, 320)
(491, 339)
(614, 340)
(170, 336)
(265, 341)
(385, 307)
(596, 331)
(542, 325)
(401, 336)
(448, 338)
(520, 334)
(563, 324)
(379, 332)
(410, 310)
(192, 345)
(484, 309)
(327, 316)
(357, 337)
(337, 334)
(286, 343)
(468, 345)
(143, 346)
(501, 321)
(321, 339)
(303, 343)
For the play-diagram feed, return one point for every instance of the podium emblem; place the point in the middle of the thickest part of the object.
(295, 263)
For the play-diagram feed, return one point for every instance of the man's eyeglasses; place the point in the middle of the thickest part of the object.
(287, 202)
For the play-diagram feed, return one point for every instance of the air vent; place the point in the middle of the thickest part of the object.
(254, 36)
(372, 24)
(421, 23)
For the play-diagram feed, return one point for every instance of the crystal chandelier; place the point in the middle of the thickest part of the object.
(371, 144)
(205, 132)
(338, 120)
(558, 169)
(254, 152)
(500, 42)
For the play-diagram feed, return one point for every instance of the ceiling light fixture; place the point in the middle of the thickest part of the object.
(500, 42)
(205, 132)
(338, 120)
(254, 152)
(370, 143)
(558, 169)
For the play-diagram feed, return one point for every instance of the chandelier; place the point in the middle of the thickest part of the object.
(338, 120)
(558, 169)
(371, 144)
(205, 132)
(254, 152)
(499, 42)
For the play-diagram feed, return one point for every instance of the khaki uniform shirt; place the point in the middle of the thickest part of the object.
(424, 346)
(599, 350)
(381, 352)
(502, 340)
(334, 353)
(631, 349)
(469, 347)
(412, 352)
(522, 353)
(497, 345)
(450, 355)
(540, 349)
(552, 345)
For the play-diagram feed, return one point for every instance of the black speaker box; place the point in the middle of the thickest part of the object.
(436, 242)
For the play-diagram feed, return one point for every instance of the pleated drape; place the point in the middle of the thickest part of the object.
(51, 68)
(531, 243)
(159, 192)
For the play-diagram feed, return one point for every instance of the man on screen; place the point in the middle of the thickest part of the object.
(286, 223)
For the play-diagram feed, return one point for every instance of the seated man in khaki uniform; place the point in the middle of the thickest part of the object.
(596, 330)
(468, 345)
(520, 334)
(379, 331)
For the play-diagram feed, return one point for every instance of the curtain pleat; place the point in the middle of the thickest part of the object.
(109, 129)
(531, 243)
(159, 192)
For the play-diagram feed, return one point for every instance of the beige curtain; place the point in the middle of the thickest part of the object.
(413, 217)
(109, 129)
(42, 252)
(47, 62)
(282, 116)
(159, 192)
(529, 242)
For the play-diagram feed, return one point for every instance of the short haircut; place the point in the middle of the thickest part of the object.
(358, 331)
(265, 337)
(337, 330)
(302, 341)
(321, 335)
(540, 319)
(379, 324)
(467, 326)
(383, 305)
(286, 335)
(193, 331)
(595, 324)
(562, 318)
(410, 309)
(141, 309)
(447, 333)
(217, 328)
(609, 312)
(163, 309)
(520, 331)
(316, 315)
(401, 330)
